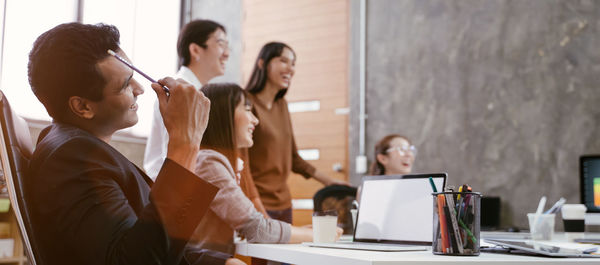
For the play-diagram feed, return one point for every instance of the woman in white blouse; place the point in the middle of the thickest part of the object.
(230, 128)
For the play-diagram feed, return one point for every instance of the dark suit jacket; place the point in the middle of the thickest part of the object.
(91, 205)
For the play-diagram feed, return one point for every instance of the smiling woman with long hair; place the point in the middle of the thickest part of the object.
(275, 155)
(230, 127)
(394, 155)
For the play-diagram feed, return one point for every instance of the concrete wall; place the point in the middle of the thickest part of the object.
(503, 95)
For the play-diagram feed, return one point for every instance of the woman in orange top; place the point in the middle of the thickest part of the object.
(274, 154)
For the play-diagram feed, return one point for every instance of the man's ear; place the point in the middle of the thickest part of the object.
(383, 159)
(195, 51)
(81, 107)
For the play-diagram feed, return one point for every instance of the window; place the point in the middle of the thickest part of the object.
(19, 34)
(148, 28)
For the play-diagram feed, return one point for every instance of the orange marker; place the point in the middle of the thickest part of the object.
(441, 201)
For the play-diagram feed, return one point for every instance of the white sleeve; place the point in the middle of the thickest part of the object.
(156, 146)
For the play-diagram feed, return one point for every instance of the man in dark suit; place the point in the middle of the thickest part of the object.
(91, 205)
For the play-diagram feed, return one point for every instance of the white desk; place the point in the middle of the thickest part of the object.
(298, 254)
(301, 255)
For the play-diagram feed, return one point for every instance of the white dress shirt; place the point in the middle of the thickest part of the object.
(156, 146)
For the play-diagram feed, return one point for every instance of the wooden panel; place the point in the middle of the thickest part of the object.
(245, 259)
(306, 189)
(301, 217)
(317, 30)
(324, 128)
(329, 95)
(297, 20)
(303, 188)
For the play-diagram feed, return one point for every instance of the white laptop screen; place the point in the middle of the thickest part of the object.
(397, 208)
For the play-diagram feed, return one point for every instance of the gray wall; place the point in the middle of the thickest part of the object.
(229, 14)
(503, 95)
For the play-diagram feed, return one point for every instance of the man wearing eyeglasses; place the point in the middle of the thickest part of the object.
(203, 50)
(88, 203)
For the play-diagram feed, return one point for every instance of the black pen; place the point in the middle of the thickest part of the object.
(111, 52)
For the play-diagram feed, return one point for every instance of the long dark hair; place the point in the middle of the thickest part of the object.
(259, 77)
(381, 148)
(220, 131)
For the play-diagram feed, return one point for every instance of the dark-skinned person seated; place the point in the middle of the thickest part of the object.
(91, 205)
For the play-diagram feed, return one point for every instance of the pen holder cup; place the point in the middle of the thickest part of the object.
(456, 223)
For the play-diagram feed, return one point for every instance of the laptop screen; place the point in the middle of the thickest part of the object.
(397, 208)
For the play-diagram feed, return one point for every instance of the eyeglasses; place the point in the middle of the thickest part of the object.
(403, 150)
(224, 44)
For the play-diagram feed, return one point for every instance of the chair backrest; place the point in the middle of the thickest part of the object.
(339, 198)
(16, 149)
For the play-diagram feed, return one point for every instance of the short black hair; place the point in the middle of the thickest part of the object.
(196, 31)
(63, 63)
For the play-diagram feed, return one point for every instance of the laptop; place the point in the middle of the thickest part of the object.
(547, 248)
(395, 214)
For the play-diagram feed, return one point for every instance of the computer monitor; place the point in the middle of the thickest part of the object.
(589, 179)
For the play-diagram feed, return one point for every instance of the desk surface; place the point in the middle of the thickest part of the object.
(299, 254)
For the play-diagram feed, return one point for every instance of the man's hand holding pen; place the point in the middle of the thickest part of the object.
(185, 115)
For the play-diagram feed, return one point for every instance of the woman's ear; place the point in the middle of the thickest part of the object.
(81, 107)
(260, 64)
(382, 159)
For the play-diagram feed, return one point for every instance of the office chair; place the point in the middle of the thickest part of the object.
(15, 152)
(339, 198)
(490, 213)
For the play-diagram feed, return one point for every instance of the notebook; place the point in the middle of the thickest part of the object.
(395, 214)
